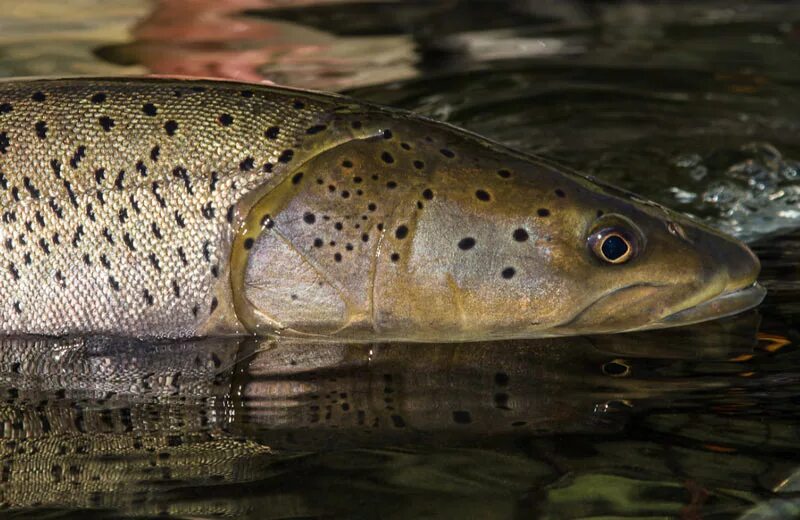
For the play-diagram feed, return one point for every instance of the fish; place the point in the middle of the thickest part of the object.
(177, 208)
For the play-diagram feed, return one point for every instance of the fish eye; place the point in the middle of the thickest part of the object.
(613, 245)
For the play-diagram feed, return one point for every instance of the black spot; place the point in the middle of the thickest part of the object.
(427, 194)
(154, 153)
(141, 168)
(56, 166)
(108, 235)
(118, 182)
(299, 105)
(225, 119)
(405, 146)
(71, 193)
(156, 230)
(17, 308)
(504, 173)
(176, 289)
(171, 127)
(149, 109)
(148, 298)
(113, 283)
(247, 93)
(13, 270)
(466, 243)
(98, 98)
(5, 108)
(365, 237)
(35, 193)
(543, 212)
(501, 401)
(395, 257)
(208, 210)
(520, 235)
(447, 153)
(345, 194)
(41, 129)
(560, 193)
(214, 303)
(154, 261)
(357, 180)
(316, 129)
(339, 226)
(4, 142)
(286, 156)
(248, 243)
(483, 195)
(247, 164)
(501, 379)
(387, 158)
(79, 154)
(401, 232)
(318, 242)
(106, 123)
(179, 219)
(462, 417)
(38, 97)
(104, 260)
(337, 257)
(99, 175)
(419, 165)
(128, 241)
(309, 218)
(508, 273)
(387, 134)
(297, 178)
(44, 246)
(372, 206)
(347, 163)
(272, 132)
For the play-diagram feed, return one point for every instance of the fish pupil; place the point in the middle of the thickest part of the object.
(614, 247)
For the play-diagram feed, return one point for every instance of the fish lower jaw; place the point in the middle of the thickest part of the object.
(723, 305)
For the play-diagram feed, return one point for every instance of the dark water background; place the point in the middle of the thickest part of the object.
(693, 104)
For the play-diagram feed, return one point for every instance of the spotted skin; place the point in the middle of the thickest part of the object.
(108, 224)
(173, 208)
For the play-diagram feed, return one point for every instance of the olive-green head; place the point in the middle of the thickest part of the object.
(435, 234)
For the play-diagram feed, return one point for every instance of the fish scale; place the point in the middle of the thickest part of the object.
(176, 208)
(70, 262)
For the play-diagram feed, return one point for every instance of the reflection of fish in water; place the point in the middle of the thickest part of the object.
(140, 427)
(174, 208)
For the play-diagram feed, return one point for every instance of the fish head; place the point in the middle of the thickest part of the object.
(434, 234)
(506, 245)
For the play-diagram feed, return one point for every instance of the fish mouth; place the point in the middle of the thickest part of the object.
(723, 305)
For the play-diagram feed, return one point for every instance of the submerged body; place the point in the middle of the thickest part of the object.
(167, 208)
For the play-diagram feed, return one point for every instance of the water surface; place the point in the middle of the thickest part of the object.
(693, 104)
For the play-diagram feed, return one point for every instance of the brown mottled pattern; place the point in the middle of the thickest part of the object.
(115, 197)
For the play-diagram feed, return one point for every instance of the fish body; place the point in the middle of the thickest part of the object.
(174, 208)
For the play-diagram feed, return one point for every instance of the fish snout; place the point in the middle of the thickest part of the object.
(737, 260)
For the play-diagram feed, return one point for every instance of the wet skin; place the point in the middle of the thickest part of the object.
(169, 208)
